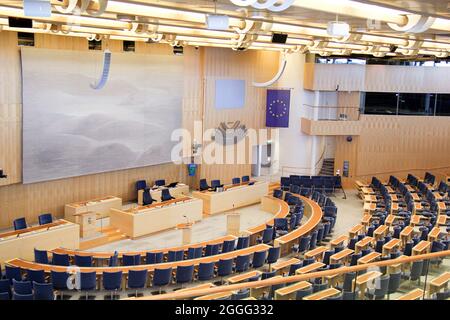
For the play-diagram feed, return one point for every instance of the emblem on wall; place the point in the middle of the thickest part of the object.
(229, 133)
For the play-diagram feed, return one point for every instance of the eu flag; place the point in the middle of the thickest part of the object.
(277, 108)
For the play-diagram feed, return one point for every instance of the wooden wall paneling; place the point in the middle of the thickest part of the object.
(349, 103)
(10, 109)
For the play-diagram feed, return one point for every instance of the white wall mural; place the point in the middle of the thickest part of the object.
(69, 129)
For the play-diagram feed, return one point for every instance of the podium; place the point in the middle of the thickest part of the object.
(186, 232)
(234, 224)
(87, 221)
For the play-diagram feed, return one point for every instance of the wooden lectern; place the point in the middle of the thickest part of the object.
(234, 224)
(186, 232)
(87, 222)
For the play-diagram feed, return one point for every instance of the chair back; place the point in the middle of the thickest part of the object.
(88, 280)
(277, 193)
(112, 280)
(43, 291)
(245, 178)
(131, 259)
(242, 263)
(184, 274)
(225, 267)
(160, 182)
(243, 242)
(59, 280)
(416, 270)
(274, 254)
(141, 184)
(215, 183)
(211, 249)
(60, 259)
(5, 296)
(83, 261)
(259, 259)
(394, 282)
(40, 256)
(154, 257)
(205, 271)
(228, 246)
(203, 185)
(268, 274)
(162, 277)
(147, 197)
(137, 279)
(22, 287)
(13, 273)
(20, 224)
(36, 276)
(45, 218)
(114, 260)
(236, 181)
(303, 293)
(267, 235)
(241, 294)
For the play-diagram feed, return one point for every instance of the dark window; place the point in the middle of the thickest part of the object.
(95, 45)
(25, 39)
(380, 103)
(443, 105)
(415, 104)
(128, 46)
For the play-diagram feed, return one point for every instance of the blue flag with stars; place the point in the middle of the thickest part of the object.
(277, 108)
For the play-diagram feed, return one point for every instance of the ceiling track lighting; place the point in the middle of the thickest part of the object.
(271, 5)
(416, 23)
(72, 7)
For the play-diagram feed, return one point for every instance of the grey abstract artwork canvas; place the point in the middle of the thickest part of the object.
(70, 129)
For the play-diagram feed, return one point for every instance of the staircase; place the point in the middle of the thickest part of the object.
(327, 167)
(109, 234)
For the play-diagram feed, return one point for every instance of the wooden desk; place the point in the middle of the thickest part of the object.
(389, 189)
(243, 277)
(391, 245)
(441, 207)
(394, 198)
(415, 294)
(355, 230)
(309, 268)
(321, 295)
(100, 206)
(156, 217)
(290, 292)
(370, 198)
(369, 257)
(381, 231)
(316, 253)
(338, 241)
(438, 196)
(180, 190)
(363, 244)
(434, 234)
(406, 234)
(442, 220)
(438, 283)
(394, 208)
(341, 255)
(256, 292)
(215, 296)
(87, 222)
(236, 197)
(280, 267)
(362, 280)
(390, 219)
(367, 190)
(410, 189)
(21, 243)
(366, 220)
(415, 196)
(421, 248)
(360, 184)
(369, 207)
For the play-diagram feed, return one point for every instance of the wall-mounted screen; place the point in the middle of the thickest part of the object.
(70, 129)
(230, 94)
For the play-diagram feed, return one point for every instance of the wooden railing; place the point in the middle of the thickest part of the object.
(292, 279)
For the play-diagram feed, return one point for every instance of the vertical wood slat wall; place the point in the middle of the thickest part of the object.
(17, 200)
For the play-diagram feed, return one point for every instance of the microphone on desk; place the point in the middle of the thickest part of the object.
(187, 219)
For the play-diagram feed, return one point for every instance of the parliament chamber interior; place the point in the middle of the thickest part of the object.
(224, 150)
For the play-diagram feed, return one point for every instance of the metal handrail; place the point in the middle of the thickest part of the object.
(297, 278)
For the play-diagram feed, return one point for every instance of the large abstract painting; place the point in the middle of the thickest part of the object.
(69, 129)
